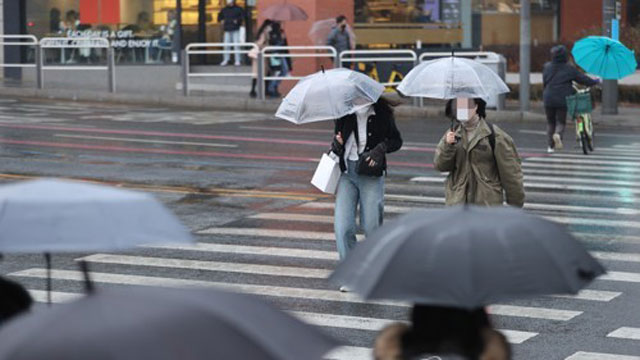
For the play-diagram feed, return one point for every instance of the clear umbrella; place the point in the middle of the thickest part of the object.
(329, 95)
(452, 77)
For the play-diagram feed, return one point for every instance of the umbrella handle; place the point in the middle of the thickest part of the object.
(47, 260)
(88, 284)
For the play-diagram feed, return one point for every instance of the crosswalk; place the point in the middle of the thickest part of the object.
(286, 255)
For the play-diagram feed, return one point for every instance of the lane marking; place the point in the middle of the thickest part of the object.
(532, 206)
(267, 290)
(584, 160)
(629, 333)
(538, 132)
(589, 295)
(614, 256)
(146, 141)
(577, 173)
(583, 167)
(185, 152)
(302, 235)
(326, 219)
(229, 267)
(350, 353)
(57, 297)
(582, 355)
(621, 186)
(621, 276)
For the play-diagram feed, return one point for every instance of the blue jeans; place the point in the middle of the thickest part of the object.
(354, 190)
(272, 86)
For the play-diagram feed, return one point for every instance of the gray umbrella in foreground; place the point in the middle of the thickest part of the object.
(467, 257)
(50, 215)
(162, 324)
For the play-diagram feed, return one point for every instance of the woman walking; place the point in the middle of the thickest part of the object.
(482, 160)
(362, 141)
(557, 79)
(262, 39)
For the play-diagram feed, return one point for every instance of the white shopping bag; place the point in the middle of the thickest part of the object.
(327, 174)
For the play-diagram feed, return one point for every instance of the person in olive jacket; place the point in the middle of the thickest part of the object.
(482, 160)
(557, 79)
(370, 134)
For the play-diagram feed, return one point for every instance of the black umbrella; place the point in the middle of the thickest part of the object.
(162, 324)
(467, 257)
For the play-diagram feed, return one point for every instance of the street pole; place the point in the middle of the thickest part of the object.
(525, 54)
(609, 87)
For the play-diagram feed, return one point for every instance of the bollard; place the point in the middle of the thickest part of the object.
(185, 72)
(260, 76)
(111, 69)
(39, 61)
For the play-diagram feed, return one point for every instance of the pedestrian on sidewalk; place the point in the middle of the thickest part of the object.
(557, 79)
(278, 66)
(482, 161)
(361, 142)
(262, 39)
(14, 300)
(339, 37)
(442, 331)
(231, 17)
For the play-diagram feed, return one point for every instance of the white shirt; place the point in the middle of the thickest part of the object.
(352, 149)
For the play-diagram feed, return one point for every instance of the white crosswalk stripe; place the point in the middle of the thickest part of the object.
(257, 259)
(582, 355)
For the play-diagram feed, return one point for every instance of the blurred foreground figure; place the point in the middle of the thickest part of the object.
(442, 331)
(14, 300)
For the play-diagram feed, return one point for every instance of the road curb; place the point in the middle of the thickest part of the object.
(234, 103)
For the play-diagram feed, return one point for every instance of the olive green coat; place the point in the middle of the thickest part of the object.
(475, 175)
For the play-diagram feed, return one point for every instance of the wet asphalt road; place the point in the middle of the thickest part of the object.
(241, 183)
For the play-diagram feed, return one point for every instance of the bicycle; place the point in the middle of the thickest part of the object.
(579, 108)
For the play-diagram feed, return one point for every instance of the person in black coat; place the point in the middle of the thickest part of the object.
(557, 80)
(369, 135)
(231, 17)
(14, 300)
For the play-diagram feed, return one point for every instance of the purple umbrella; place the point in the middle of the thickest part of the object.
(285, 12)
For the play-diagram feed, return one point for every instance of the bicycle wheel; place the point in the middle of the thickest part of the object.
(584, 142)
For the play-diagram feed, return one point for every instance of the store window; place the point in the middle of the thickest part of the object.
(513, 6)
(141, 31)
(406, 11)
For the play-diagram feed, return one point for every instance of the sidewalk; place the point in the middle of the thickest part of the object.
(162, 85)
(536, 78)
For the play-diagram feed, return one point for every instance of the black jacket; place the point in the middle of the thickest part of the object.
(233, 17)
(557, 76)
(381, 127)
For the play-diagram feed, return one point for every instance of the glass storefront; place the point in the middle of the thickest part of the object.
(404, 22)
(140, 31)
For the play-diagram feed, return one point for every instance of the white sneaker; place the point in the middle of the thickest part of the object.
(344, 288)
(557, 141)
(224, 63)
(238, 64)
(550, 150)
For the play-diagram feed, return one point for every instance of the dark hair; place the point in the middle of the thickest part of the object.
(384, 107)
(263, 26)
(450, 113)
(340, 18)
(445, 329)
(14, 299)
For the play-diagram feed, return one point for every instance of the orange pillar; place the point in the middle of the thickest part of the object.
(297, 31)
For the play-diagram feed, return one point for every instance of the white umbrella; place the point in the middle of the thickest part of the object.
(452, 77)
(329, 95)
(50, 215)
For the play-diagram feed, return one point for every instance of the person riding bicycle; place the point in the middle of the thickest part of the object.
(557, 78)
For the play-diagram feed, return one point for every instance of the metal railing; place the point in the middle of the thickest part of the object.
(485, 57)
(300, 52)
(77, 43)
(205, 49)
(18, 41)
(373, 56)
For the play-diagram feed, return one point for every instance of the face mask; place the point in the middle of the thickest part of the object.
(463, 115)
(229, 2)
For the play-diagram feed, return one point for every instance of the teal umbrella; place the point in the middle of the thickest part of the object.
(604, 57)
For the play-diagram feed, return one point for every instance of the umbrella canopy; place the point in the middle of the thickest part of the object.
(604, 57)
(162, 324)
(285, 12)
(320, 30)
(66, 216)
(452, 77)
(328, 95)
(467, 257)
